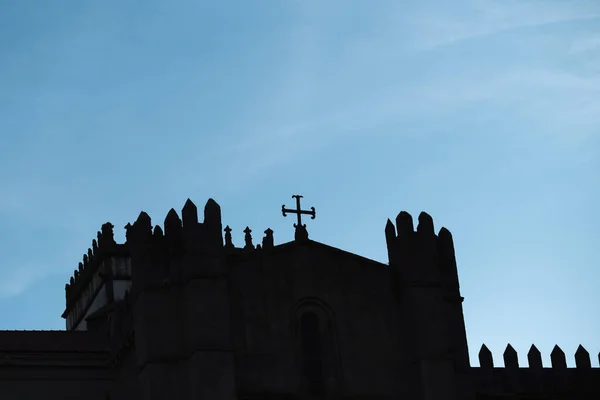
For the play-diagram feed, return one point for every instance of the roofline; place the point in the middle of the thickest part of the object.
(283, 246)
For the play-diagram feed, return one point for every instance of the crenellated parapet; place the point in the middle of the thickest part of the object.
(583, 379)
(162, 255)
(433, 254)
(89, 276)
(558, 358)
(157, 251)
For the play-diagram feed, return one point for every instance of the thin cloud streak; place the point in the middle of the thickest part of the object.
(432, 30)
(555, 100)
(585, 44)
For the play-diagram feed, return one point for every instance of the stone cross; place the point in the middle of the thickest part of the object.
(301, 232)
(298, 211)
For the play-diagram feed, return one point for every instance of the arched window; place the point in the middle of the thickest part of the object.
(312, 354)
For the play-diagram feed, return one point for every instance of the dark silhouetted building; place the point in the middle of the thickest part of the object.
(180, 312)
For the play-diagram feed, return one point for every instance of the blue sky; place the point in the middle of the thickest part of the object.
(484, 113)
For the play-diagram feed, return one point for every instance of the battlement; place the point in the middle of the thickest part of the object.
(106, 272)
(534, 358)
(102, 248)
(105, 259)
(160, 257)
(433, 253)
(535, 378)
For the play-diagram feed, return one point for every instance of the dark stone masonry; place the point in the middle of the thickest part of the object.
(181, 312)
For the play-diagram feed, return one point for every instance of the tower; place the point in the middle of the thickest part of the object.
(426, 283)
(181, 306)
(208, 341)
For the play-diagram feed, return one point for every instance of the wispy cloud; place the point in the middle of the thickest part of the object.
(433, 26)
(562, 105)
(403, 83)
(585, 44)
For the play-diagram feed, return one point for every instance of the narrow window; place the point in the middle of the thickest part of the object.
(312, 354)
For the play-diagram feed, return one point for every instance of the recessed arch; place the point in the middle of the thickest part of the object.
(316, 347)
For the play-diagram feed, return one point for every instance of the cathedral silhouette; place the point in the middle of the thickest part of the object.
(180, 312)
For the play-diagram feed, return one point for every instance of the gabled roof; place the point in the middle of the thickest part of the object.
(289, 246)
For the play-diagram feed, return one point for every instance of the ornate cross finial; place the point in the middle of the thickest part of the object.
(228, 242)
(248, 239)
(301, 232)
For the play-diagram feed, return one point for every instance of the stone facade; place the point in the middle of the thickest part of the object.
(180, 312)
